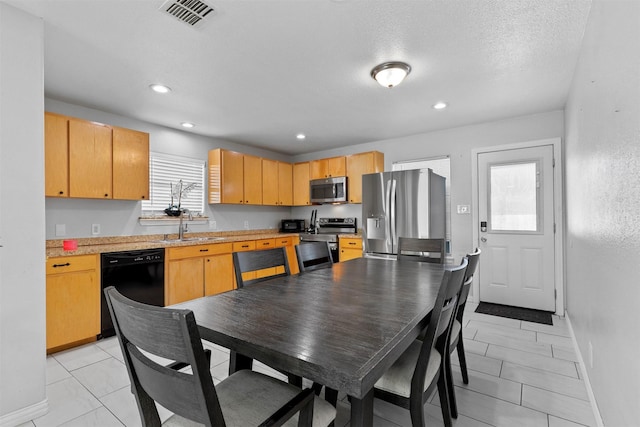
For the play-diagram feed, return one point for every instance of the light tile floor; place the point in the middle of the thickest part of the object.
(520, 374)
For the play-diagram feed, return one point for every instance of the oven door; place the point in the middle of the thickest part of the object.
(333, 245)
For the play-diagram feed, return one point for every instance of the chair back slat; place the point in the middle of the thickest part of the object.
(472, 265)
(145, 330)
(421, 250)
(313, 256)
(245, 262)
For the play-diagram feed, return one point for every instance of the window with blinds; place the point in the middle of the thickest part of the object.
(165, 172)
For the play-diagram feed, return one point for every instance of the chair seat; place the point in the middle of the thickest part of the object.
(455, 329)
(265, 394)
(397, 379)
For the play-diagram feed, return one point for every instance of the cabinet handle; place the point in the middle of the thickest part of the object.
(351, 243)
(265, 244)
(143, 197)
(106, 195)
(245, 246)
(204, 250)
(61, 192)
(61, 265)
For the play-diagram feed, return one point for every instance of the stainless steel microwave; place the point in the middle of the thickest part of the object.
(328, 190)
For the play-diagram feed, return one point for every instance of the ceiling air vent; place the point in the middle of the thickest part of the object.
(191, 12)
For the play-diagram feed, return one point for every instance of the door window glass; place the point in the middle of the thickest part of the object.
(514, 198)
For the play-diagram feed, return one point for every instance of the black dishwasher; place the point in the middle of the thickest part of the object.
(138, 275)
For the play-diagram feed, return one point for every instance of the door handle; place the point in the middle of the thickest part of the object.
(483, 239)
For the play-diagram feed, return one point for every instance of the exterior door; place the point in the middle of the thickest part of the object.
(516, 213)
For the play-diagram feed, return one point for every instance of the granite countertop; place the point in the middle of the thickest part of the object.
(96, 245)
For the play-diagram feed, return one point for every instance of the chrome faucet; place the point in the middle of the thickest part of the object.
(183, 228)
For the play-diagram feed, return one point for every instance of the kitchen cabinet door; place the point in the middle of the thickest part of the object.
(301, 178)
(90, 160)
(350, 248)
(252, 180)
(226, 177)
(130, 164)
(218, 274)
(56, 155)
(358, 165)
(73, 300)
(326, 168)
(270, 182)
(285, 184)
(184, 280)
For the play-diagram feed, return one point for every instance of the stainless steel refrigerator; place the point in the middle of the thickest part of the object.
(396, 204)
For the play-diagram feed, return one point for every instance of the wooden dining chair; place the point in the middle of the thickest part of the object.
(313, 256)
(412, 378)
(267, 263)
(421, 250)
(245, 398)
(456, 341)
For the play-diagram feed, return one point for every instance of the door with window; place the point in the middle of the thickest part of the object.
(516, 213)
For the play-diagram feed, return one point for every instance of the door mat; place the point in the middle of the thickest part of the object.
(519, 313)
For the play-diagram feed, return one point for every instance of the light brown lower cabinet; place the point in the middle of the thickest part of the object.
(195, 271)
(350, 248)
(73, 300)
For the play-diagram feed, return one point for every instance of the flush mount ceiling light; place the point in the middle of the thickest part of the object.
(160, 88)
(390, 74)
(187, 125)
(301, 136)
(440, 105)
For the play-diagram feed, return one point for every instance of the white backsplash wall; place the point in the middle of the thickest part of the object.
(120, 218)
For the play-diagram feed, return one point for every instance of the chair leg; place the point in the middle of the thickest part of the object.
(451, 392)
(444, 399)
(463, 360)
(331, 396)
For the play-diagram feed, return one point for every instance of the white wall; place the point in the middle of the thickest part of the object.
(120, 217)
(22, 257)
(457, 143)
(603, 207)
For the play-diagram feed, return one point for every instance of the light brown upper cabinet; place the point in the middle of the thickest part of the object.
(90, 160)
(358, 165)
(326, 168)
(86, 159)
(285, 184)
(130, 164)
(234, 178)
(301, 184)
(56, 155)
(276, 183)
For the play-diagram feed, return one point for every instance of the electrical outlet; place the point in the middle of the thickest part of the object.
(246, 225)
(61, 230)
(95, 229)
(212, 225)
(590, 355)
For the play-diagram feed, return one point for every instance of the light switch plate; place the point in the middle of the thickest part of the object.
(95, 229)
(464, 209)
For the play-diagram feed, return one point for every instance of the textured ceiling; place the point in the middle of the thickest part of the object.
(259, 72)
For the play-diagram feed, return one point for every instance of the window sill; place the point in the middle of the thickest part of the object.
(169, 220)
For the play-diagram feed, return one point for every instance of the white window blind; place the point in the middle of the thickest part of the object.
(166, 170)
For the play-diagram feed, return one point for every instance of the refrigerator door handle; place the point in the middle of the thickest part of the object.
(387, 226)
(392, 220)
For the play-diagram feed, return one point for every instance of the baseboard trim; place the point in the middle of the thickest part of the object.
(25, 414)
(585, 376)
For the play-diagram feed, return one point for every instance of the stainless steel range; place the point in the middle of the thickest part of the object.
(327, 230)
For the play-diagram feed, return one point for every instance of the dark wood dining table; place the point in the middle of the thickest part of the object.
(342, 327)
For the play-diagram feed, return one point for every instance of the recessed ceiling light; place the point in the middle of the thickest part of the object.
(187, 125)
(160, 88)
(301, 136)
(440, 105)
